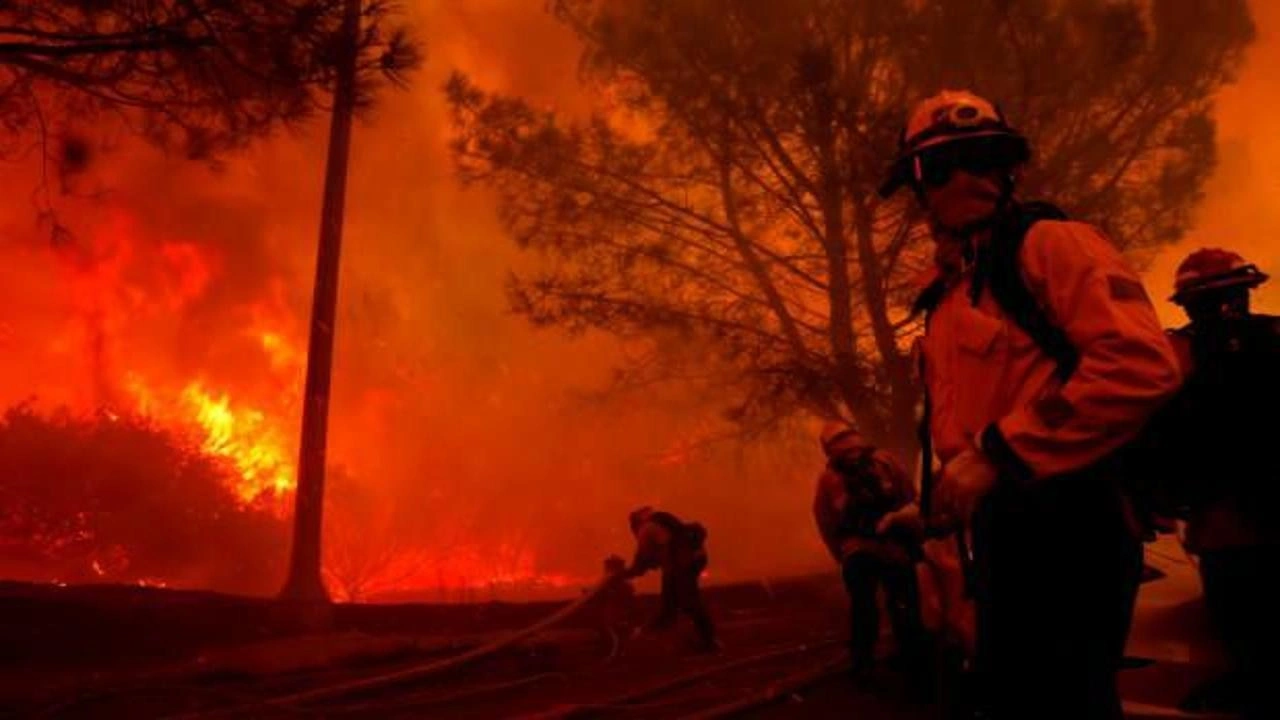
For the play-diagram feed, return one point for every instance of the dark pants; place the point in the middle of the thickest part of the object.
(1057, 571)
(1247, 618)
(863, 574)
(680, 593)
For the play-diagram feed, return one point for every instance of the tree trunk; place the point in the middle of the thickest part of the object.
(304, 584)
(902, 387)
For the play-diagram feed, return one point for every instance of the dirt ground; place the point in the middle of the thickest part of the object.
(104, 652)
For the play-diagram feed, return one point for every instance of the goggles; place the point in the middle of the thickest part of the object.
(934, 166)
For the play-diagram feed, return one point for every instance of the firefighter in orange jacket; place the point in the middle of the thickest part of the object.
(1025, 419)
(859, 487)
(665, 542)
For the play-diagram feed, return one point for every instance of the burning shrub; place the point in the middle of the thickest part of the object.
(117, 498)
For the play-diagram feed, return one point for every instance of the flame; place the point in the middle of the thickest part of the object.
(135, 292)
(248, 438)
(504, 567)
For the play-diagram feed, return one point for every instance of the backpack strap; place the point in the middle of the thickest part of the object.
(999, 268)
(924, 434)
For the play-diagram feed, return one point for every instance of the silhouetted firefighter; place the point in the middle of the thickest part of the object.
(1224, 466)
(614, 608)
(860, 487)
(1043, 357)
(678, 548)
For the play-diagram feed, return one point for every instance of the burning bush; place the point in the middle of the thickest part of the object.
(117, 498)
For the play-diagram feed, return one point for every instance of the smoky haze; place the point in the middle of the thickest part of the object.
(468, 441)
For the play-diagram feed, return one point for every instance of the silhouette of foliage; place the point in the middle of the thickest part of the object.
(118, 499)
(203, 75)
(721, 200)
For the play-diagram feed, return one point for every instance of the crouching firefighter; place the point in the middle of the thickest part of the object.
(1042, 358)
(614, 608)
(665, 542)
(857, 490)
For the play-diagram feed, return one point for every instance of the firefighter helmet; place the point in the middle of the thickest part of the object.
(839, 435)
(638, 516)
(951, 116)
(1212, 269)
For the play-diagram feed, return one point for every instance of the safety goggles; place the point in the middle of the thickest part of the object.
(934, 166)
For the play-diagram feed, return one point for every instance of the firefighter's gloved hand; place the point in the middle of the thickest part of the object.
(964, 482)
(905, 520)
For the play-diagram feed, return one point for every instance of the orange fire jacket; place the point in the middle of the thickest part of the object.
(991, 385)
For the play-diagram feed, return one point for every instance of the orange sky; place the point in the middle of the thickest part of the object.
(1242, 206)
(475, 427)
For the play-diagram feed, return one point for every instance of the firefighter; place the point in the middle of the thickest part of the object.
(1231, 470)
(1042, 357)
(678, 549)
(614, 608)
(859, 487)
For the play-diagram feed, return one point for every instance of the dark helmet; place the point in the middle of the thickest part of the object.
(638, 516)
(1213, 269)
(948, 117)
(839, 436)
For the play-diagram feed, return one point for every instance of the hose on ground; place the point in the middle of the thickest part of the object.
(417, 672)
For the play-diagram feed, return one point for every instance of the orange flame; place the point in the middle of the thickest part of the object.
(247, 438)
(500, 569)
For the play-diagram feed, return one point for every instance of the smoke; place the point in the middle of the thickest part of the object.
(1240, 211)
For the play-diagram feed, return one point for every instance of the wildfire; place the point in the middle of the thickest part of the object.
(503, 568)
(132, 296)
(246, 437)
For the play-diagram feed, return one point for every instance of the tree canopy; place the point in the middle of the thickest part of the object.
(202, 75)
(721, 201)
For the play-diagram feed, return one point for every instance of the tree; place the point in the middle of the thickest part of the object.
(208, 75)
(722, 202)
(211, 75)
(201, 76)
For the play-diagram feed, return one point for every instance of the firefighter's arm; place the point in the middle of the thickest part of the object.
(1127, 367)
(896, 480)
(648, 551)
(826, 517)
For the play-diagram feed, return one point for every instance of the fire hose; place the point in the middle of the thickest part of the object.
(629, 699)
(439, 666)
(419, 671)
(786, 686)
